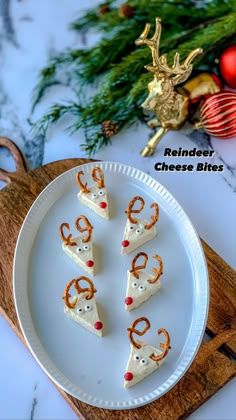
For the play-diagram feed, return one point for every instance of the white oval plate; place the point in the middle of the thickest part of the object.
(88, 367)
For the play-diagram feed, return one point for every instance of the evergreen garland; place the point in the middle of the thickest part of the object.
(118, 64)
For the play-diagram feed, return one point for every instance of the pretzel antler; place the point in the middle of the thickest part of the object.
(83, 187)
(158, 272)
(132, 330)
(100, 180)
(66, 239)
(66, 295)
(134, 269)
(130, 209)
(165, 346)
(154, 217)
(91, 289)
(87, 228)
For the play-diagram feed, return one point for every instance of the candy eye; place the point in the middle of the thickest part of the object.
(131, 227)
(143, 362)
(135, 284)
(94, 196)
(136, 357)
(88, 308)
(139, 230)
(141, 288)
(79, 310)
(101, 192)
(86, 247)
(79, 249)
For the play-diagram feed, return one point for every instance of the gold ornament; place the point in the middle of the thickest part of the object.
(200, 85)
(170, 107)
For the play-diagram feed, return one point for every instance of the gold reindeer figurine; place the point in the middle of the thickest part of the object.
(170, 107)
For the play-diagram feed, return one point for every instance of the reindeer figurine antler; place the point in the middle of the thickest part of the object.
(138, 231)
(170, 107)
(144, 359)
(141, 285)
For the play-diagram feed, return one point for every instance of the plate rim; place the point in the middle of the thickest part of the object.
(54, 372)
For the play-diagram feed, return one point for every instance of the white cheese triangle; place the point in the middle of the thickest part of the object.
(139, 290)
(135, 235)
(85, 313)
(81, 253)
(140, 364)
(96, 200)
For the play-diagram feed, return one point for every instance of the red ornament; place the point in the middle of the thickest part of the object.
(227, 65)
(218, 115)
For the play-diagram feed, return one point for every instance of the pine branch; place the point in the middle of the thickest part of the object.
(54, 113)
(124, 80)
(48, 75)
(121, 34)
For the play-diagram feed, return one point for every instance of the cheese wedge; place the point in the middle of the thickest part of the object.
(96, 200)
(139, 290)
(81, 253)
(85, 313)
(140, 365)
(135, 235)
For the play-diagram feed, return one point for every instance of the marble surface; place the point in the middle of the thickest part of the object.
(30, 33)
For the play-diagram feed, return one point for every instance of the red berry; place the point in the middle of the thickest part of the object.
(103, 205)
(129, 300)
(125, 243)
(128, 376)
(90, 263)
(98, 325)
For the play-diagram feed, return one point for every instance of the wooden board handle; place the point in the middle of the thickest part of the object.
(17, 157)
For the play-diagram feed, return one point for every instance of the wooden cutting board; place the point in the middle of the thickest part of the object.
(211, 369)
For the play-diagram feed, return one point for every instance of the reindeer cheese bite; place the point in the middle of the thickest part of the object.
(94, 197)
(144, 359)
(80, 248)
(82, 307)
(138, 231)
(142, 285)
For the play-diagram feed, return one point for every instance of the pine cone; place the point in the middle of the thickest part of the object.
(109, 128)
(103, 9)
(126, 10)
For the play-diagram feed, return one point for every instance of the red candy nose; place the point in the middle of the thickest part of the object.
(128, 376)
(102, 205)
(125, 243)
(98, 325)
(129, 300)
(90, 263)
